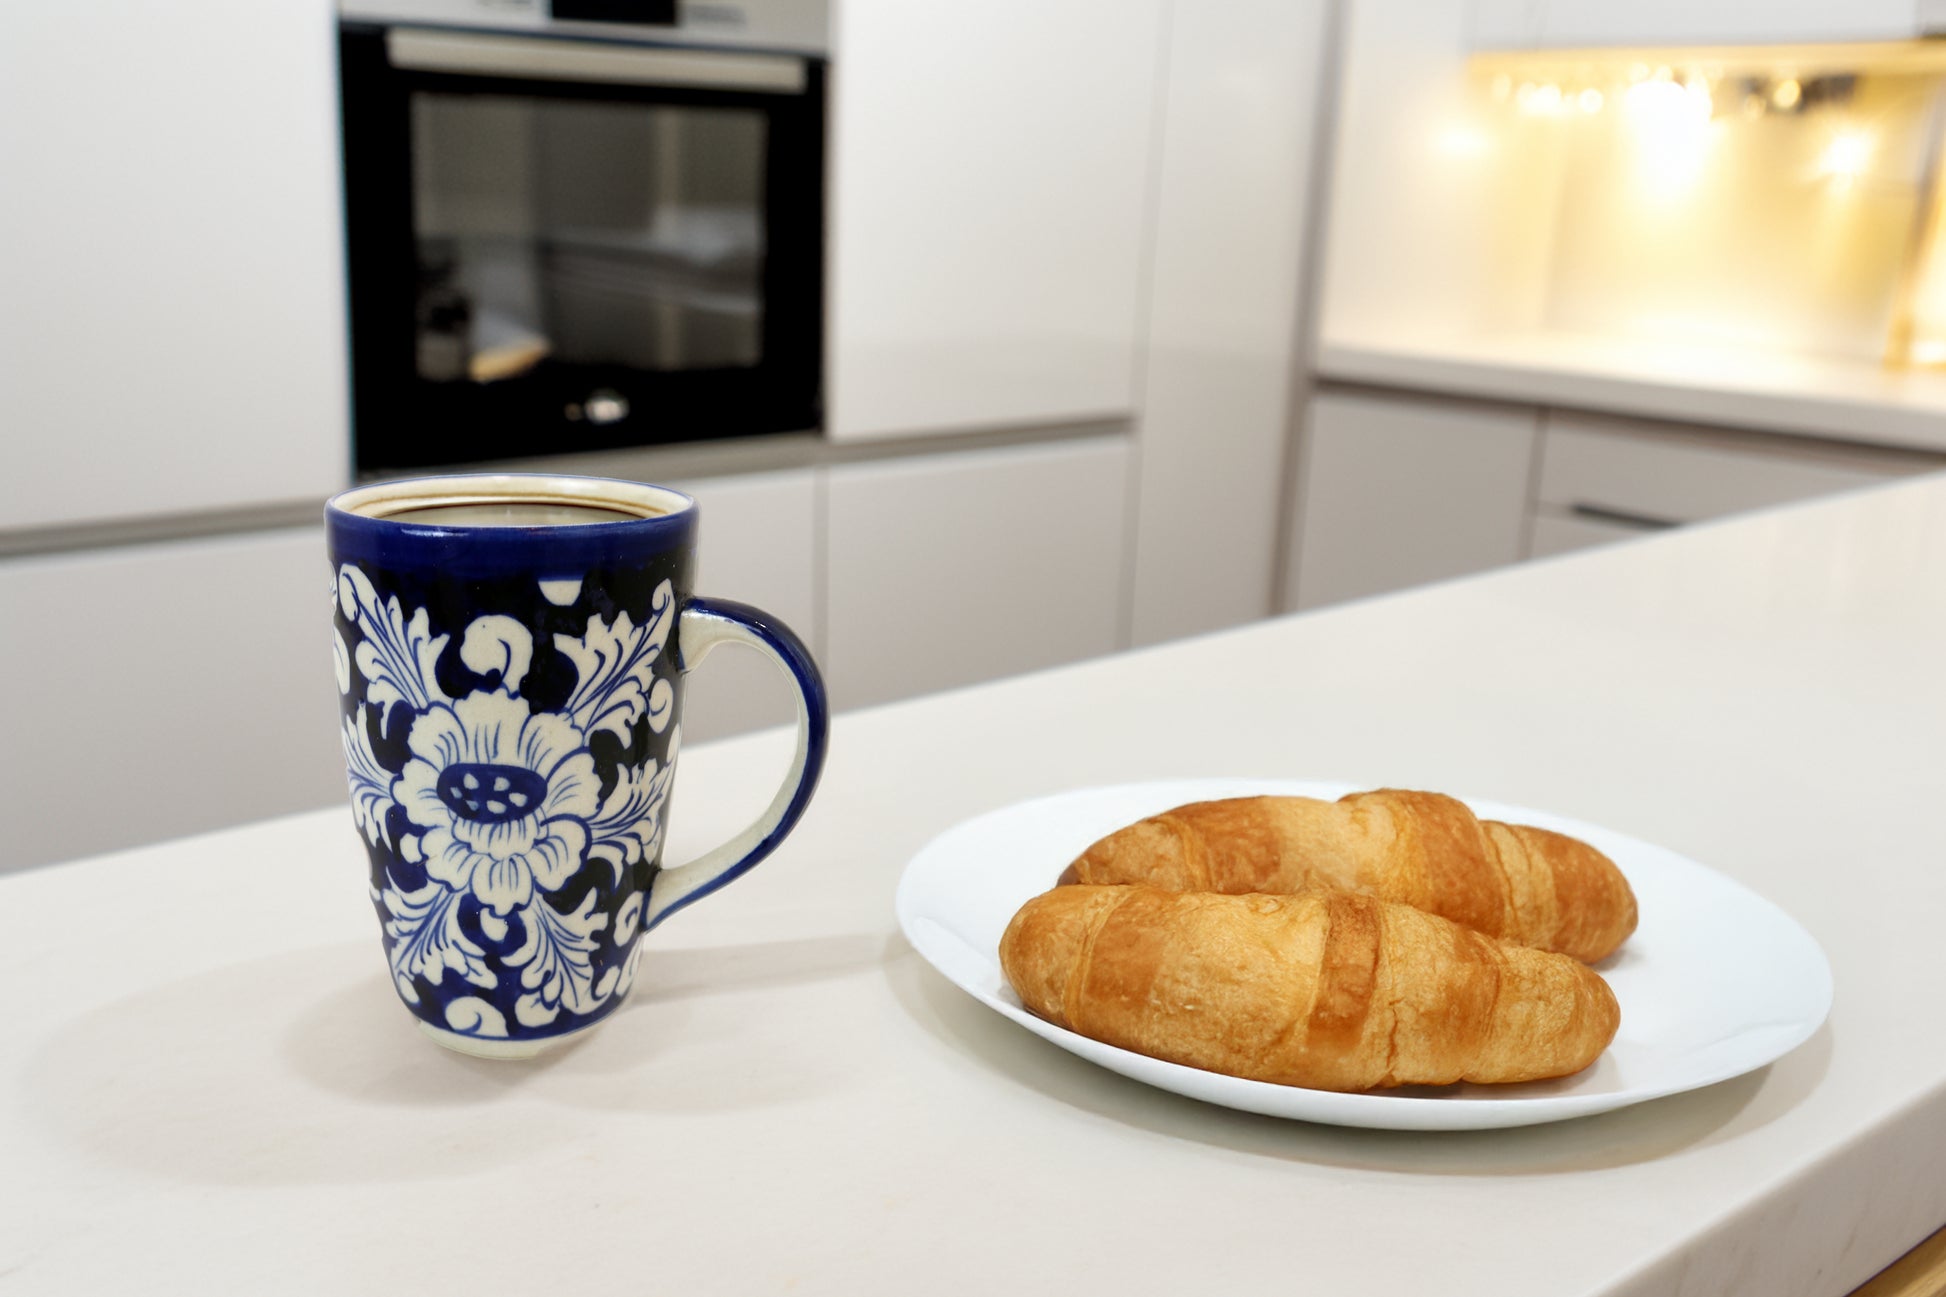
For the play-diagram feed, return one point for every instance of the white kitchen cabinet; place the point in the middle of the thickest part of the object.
(165, 689)
(757, 543)
(1599, 466)
(1579, 24)
(958, 567)
(1604, 478)
(173, 335)
(1239, 112)
(1396, 491)
(989, 169)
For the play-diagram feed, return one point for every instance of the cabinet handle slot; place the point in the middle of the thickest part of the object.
(1621, 517)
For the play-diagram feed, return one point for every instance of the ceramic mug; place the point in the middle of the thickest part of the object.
(510, 658)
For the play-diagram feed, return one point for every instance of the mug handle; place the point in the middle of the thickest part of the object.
(704, 624)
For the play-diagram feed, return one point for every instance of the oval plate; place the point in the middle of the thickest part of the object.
(1715, 982)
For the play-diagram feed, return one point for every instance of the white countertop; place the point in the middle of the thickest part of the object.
(1846, 400)
(207, 1086)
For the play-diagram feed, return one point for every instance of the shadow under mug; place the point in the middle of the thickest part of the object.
(510, 655)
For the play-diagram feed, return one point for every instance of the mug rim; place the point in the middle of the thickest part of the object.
(651, 505)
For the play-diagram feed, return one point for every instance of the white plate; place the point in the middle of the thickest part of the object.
(1715, 982)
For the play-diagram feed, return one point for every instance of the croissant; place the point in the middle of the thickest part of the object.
(1507, 880)
(1328, 990)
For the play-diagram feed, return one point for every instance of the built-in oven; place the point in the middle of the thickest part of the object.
(583, 230)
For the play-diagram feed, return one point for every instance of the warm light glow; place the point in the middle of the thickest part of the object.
(1462, 142)
(1670, 124)
(1848, 156)
(1541, 100)
(1665, 106)
(1767, 196)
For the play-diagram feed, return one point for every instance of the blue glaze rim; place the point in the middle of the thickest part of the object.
(666, 519)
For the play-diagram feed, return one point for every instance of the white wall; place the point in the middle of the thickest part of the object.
(1422, 237)
(1453, 216)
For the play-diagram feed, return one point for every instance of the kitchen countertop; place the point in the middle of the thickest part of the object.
(206, 1084)
(1724, 387)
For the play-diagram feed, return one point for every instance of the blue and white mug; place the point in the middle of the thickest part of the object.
(510, 655)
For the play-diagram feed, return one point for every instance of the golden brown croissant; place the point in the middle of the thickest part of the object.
(1328, 990)
(1421, 849)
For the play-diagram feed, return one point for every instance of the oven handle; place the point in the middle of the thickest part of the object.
(560, 60)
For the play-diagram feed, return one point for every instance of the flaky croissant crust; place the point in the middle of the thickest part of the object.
(1330, 991)
(1512, 881)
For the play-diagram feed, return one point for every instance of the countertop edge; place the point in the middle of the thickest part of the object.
(1855, 420)
(1826, 1230)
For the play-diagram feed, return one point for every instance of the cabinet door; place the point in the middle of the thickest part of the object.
(1236, 131)
(172, 336)
(953, 568)
(165, 689)
(1598, 466)
(989, 167)
(756, 542)
(1398, 491)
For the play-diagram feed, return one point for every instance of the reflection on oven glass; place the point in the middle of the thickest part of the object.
(589, 233)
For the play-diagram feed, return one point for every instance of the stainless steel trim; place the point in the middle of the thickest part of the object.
(556, 60)
(681, 462)
(109, 533)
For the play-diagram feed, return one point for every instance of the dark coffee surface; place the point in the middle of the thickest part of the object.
(510, 513)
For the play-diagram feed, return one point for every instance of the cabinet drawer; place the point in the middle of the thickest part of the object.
(1399, 491)
(166, 689)
(1676, 475)
(757, 543)
(948, 569)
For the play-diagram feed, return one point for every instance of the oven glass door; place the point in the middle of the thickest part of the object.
(606, 246)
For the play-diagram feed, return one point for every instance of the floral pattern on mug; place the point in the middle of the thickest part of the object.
(500, 803)
(503, 795)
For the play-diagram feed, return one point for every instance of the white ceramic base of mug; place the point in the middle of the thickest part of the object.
(512, 1051)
